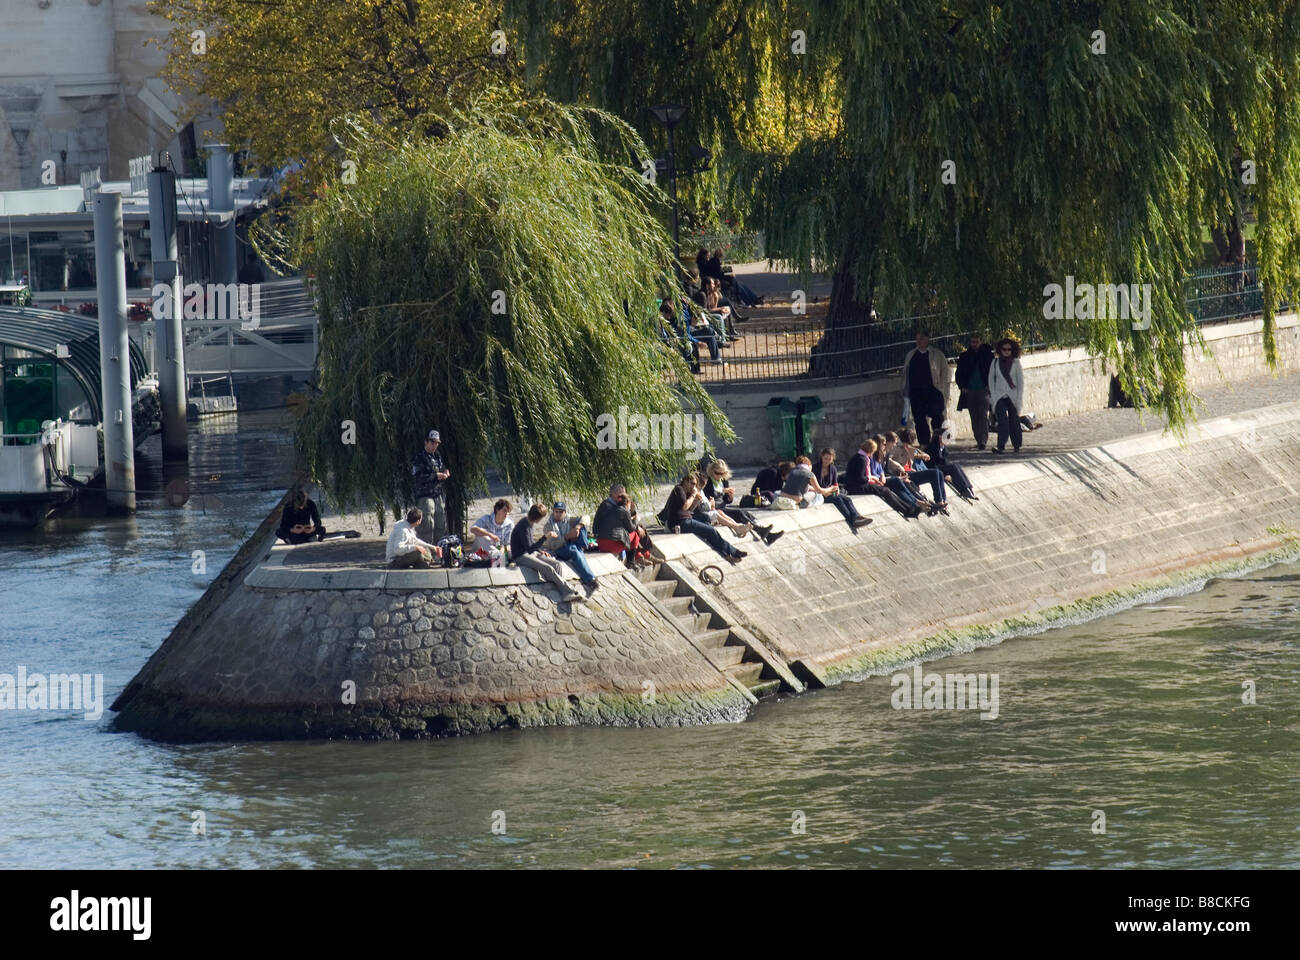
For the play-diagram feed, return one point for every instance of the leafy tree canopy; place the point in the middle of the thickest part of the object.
(498, 283)
(282, 70)
(1070, 153)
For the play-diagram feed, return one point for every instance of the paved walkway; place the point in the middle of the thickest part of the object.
(1056, 437)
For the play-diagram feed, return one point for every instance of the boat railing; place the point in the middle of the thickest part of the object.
(19, 439)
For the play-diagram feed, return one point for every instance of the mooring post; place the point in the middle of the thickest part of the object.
(171, 338)
(114, 354)
(221, 200)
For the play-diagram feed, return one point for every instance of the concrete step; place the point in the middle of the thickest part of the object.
(695, 622)
(765, 688)
(746, 673)
(662, 589)
(678, 606)
(649, 574)
(713, 638)
(728, 656)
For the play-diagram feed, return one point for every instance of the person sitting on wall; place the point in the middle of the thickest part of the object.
(492, 530)
(799, 480)
(616, 530)
(954, 473)
(688, 512)
(721, 496)
(874, 482)
(526, 541)
(300, 520)
(770, 480)
(566, 539)
(919, 470)
(895, 478)
(405, 548)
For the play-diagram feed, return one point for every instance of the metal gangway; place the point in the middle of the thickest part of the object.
(283, 339)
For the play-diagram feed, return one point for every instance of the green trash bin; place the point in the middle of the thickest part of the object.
(783, 415)
(811, 412)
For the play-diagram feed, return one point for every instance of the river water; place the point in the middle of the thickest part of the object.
(1137, 718)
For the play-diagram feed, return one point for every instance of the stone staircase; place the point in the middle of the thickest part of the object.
(726, 647)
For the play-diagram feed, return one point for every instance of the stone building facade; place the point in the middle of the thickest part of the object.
(79, 87)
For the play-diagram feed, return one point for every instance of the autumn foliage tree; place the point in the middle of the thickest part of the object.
(280, 72)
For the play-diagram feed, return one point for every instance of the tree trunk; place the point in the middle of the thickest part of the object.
(842, 350)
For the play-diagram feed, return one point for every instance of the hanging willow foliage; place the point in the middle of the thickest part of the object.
(498, 284)
(1093, 140)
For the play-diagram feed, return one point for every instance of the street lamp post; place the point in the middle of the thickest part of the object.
(670, 115)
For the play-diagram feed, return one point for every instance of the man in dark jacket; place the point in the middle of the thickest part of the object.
(972, 371)
(925, 385)
(769, 481)
(428, 473)
(613, 526)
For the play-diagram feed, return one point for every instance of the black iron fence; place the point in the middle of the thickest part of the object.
(801, 348)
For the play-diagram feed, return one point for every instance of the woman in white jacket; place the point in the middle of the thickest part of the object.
(1006, 383)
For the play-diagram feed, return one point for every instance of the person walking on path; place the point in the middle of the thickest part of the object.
(1007, 392)
(428, 472)
(925, 385)
(972, 367)
(526, 551)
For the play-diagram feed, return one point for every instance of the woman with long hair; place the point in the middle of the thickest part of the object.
(718, 491)
(1006, 380)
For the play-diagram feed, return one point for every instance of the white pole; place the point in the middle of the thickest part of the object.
(114, 354)
(221, 198)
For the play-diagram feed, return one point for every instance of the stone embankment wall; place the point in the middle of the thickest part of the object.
(270, 650)
(1057, 383)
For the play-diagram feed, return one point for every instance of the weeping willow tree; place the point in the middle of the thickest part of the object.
(987, 151)
(499, 284)
(977, 153)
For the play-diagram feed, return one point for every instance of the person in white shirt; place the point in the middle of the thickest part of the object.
(493, 529)
(404, 548)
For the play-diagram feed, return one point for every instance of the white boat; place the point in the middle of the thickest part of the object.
(51, 430)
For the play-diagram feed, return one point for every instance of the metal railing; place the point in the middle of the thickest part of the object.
(283, 339)
(800, 348)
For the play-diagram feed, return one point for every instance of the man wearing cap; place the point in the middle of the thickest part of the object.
(428, 473)
(566, 539)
